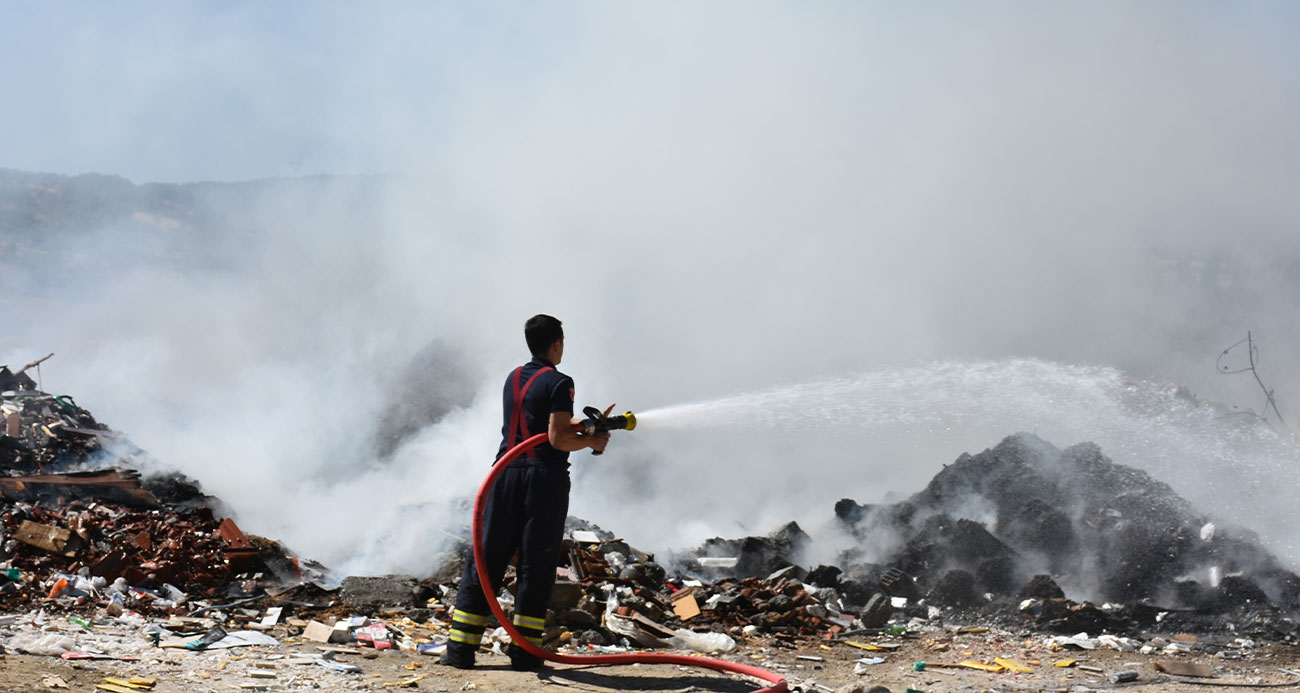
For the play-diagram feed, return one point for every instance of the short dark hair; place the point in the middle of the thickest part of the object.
(542, 331)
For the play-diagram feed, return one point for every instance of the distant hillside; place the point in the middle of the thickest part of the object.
(90, 224)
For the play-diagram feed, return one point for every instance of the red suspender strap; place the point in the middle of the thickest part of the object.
(518, 422)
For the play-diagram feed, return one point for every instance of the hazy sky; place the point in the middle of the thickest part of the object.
(724, 195)
(240, 90)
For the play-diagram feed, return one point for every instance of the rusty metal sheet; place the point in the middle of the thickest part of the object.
(233, 536)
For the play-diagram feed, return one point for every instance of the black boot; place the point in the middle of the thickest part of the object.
(520, 660)
(458, 655)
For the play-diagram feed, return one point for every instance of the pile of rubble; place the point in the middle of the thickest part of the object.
(74, 534)
(1001, 538)
(1012, 531)
(42, 432)
(1105, 531)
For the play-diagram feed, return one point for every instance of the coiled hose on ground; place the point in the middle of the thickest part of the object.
(778, 683)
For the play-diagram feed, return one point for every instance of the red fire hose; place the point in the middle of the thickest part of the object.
(778, 683)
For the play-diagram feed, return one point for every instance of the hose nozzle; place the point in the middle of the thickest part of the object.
(596, 422)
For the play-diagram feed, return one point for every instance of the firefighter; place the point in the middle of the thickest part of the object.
(526, 508)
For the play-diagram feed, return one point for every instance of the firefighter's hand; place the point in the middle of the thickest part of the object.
(608, 409)
(598, 441)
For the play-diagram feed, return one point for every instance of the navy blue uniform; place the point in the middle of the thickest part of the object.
(524, 511)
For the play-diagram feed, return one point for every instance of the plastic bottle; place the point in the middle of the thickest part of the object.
(173, 593)
(59, 586)
(80, 621)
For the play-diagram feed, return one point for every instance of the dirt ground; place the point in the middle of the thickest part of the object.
(180, 670)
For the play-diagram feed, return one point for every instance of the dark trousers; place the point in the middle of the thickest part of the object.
(524, 511)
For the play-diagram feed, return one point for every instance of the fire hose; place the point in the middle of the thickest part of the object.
(594, 423)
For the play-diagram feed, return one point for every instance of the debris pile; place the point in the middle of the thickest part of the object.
(43, 432)
(77, 535)
(994, 536)
(1102, 530)
(1006, 537)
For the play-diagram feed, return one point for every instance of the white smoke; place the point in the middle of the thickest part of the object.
(715, 200)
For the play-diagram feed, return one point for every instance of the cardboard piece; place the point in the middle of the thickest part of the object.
(686, 607)
(272, 616)
(317, 632)
(48, 538)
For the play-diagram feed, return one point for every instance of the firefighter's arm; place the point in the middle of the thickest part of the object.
(562, 437)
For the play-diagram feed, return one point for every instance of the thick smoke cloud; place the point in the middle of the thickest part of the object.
(714, 199)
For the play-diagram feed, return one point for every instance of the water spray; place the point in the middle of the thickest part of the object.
(596, 422)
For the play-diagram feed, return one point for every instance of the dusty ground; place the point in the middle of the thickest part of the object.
(179, 670)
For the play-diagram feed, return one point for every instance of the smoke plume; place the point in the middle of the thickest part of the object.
(946, 224)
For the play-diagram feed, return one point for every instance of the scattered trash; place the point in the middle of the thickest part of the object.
(106, 549)
(338, 666)
(1012, 665)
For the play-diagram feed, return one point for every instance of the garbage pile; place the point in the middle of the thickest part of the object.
(640, 602)
(1104, 531)
(1048, 518)
(42, 431)
(76, 535)
(1009, 534)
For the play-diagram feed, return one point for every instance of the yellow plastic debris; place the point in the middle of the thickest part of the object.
(865, 646)
(132, 685)
(990, 668)
(113, 687)
(407, 683)
(1013, 665)
(1065, 663)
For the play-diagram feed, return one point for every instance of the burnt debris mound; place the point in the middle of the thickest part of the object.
(990, 522)
(1026, 534)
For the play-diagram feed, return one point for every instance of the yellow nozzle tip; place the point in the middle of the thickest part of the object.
(631, 420)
